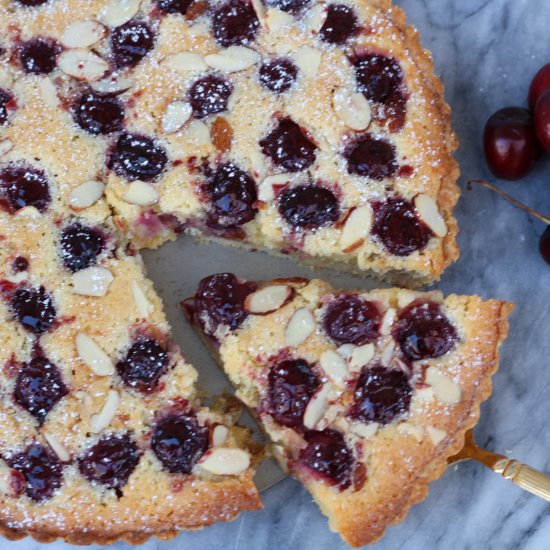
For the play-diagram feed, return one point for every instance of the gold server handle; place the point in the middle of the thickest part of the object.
(525, 477)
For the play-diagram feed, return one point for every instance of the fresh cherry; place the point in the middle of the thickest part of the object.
(5, 98)
(24, 186)
(352, 320)
(145, 362)
(510, 143)
(209, 95)
(340, 25)
(19, 264)
(542, 120)
(80, 246)
(131, 42)
(291, 385)
(39, 387)
(179, 442)
(235, 23)
(31, 3)
(288, 146)
(328, 457)
(39, 55)
(98, 114)
(278, 75)
(42, 471)
(372, 157)
(381, 395)
(34, 309)
(111, 461)
(174, 6)
(539, 85)
(292, 6)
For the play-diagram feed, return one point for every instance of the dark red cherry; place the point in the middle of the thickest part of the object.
(544, 245)
(179, 442)
(539, 85)
(372, 157)
(542, 120)
(278, 75)
(5, 98)
(25, 186)
(398, 228)
(80, 246)
(309, 207)
(31, 3)
(38, 387)
(232, 194)
(292, 6)
(42, 471)
(381, 395)
(111, 461)
(288, 147)
(340, 25)
(174, 6)
(235, 23)
(220, 301)
(379, 78)
(423, 331)
(145, 362)
(291, 384)
(352, 320)
(39, 55)
(209, 95)
(34, 309)
(137, 157)
(20, 263)
(510, 143)
(98, 114)
(328, 457)
(131, 42)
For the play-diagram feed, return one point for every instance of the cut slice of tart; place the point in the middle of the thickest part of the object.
(102, 435)
(364, 394)
(303, 127)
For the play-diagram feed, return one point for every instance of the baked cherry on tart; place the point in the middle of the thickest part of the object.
(364, 395)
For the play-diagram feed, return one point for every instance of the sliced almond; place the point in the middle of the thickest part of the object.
(57, 447)
(141, 193)
(221, 134)
(356, 229)
(387, 352)
(299, 327)
(266, 192)
(410, 429)
(48, 92)
(86, 194)
(82, 64)
(93, 356)
(428, 212)
(176, 115)
(366, 431)
(6, 79)
(405, 297)
(92, 281)
(260, 10)
(308, 60)
(267, 299)
(17, 277)
(219, 435)
(436, 435)
(353, 109)
(113, 84)
(198, 131)
(6, 145)
(316, 17)
(233, 59)
(118, 12)
(6, 485)
(226, 461)
(277, 20)
(30, 212)
(346, 351)
(257, 162)
(425, 394)
(387, 322)
(334, 367)
(185, 62)
(444, 388)
(317, 406)
(361, 356)
(143, 305)
(98, 422)
(82, 34)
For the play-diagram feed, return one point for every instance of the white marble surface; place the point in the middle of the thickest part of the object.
(486, 52)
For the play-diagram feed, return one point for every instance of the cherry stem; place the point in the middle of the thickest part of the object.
(511, 199)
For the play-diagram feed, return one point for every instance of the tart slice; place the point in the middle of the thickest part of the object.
(364, 394)
(102, 436)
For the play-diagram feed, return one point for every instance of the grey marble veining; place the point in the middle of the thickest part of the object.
(486, 52)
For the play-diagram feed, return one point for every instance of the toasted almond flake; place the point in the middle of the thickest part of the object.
(366, 431)
(342, 424)
(316, 17)
(86, 194)
(82, 34)
(317, 406)
(17, 277)
(82, 64)
(85, 398)
(93, 356)
(92, 281)
(185, 62)
(226, 461)
(266, 192)
(100, 421)
(176, 115)
(353, 109)
(5, 479)
(113, 84)
(410, 429)
(219, 435)
(57, 447)
(308, 60)
(233, 59)
(118, 12)
(334, 366)
(428, 212)
(6, 79)
(356, 229)
(299, 327)
(30, 212)
(444, 388)
(141, 193)
(405, 297)
(221, 134)
(260, 11)
(6, 145)
(277, 20)
(267, 299)
(143, 305)
(436, 435)
(48, 92)
(387, 351)
(426, 394)
(198, 131)
(346, 351)
(257, 161)
(361, 356)
(387, 322)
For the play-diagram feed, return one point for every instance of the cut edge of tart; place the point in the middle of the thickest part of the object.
(364, 395)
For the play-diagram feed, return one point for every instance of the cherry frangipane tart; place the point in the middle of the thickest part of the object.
(316, 129)
(364, 395)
